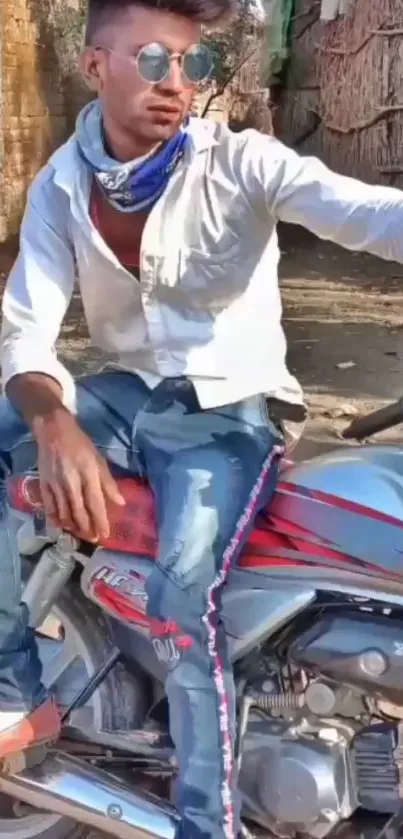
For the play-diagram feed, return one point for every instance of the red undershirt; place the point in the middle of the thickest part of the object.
(122, 232)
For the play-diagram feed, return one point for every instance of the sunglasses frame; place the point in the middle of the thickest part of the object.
(171, 56)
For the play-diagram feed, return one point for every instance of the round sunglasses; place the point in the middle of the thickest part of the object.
(153, 62)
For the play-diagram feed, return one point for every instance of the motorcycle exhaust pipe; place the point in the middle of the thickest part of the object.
(72, 788)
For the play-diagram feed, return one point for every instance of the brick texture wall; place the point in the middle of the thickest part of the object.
(39, 96)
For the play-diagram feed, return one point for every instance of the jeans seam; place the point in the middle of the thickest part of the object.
(135, 430)
(21, 442)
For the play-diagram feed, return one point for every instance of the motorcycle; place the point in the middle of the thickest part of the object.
(314, 618)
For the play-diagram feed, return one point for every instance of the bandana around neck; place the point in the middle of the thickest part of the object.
(133, 186)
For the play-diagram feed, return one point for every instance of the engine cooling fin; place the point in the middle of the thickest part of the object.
(376, 770)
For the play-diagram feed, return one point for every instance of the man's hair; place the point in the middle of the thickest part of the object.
(102, 12)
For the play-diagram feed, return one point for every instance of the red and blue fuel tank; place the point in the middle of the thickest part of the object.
(342, 511)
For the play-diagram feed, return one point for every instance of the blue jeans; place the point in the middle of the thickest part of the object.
(210, 471)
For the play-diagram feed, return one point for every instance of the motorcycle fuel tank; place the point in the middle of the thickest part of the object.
(342, 511)
(369, 476)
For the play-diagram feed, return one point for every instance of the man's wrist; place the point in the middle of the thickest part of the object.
(47, 419)
(39, 399)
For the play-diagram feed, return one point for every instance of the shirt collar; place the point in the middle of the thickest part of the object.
(66, 161)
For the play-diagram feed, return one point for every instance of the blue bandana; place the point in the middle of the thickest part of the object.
(132, 186)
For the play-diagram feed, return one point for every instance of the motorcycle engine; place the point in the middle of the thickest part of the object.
(313, 757)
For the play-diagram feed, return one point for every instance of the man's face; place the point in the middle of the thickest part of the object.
(150, 112)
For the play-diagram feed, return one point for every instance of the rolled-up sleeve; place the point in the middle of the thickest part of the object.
(39, 287)
(302, 190)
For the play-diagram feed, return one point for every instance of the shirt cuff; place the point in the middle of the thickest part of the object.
(16, 363)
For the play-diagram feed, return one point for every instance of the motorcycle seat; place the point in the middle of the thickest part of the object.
(132, 527)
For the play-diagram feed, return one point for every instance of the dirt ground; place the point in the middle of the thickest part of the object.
(338, 307)
(341, 308)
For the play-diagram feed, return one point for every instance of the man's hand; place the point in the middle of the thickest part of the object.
(76, 483)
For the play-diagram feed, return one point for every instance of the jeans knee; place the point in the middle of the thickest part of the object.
(167, 601)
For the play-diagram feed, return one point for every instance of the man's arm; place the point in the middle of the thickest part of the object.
(302, 190)
(76, 483)
(35, 300)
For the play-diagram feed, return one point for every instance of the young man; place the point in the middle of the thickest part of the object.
(170, 227)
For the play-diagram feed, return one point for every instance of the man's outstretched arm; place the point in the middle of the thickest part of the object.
(302, 190)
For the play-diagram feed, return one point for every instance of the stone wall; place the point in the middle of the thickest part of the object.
(40, 93)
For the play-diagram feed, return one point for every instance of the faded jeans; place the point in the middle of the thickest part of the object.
(210, 472)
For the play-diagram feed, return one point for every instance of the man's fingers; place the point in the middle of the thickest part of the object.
(65, 508)
(58, 508)
(95, 505)
(49, 504)
(109, 486)
(76, 494)
(81, 520)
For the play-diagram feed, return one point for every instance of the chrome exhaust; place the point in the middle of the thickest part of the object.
(72, 788)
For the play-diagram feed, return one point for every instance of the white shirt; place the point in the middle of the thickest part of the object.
(208, 303)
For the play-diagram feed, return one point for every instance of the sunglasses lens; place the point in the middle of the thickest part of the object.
(153, 63)
(197, 63)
